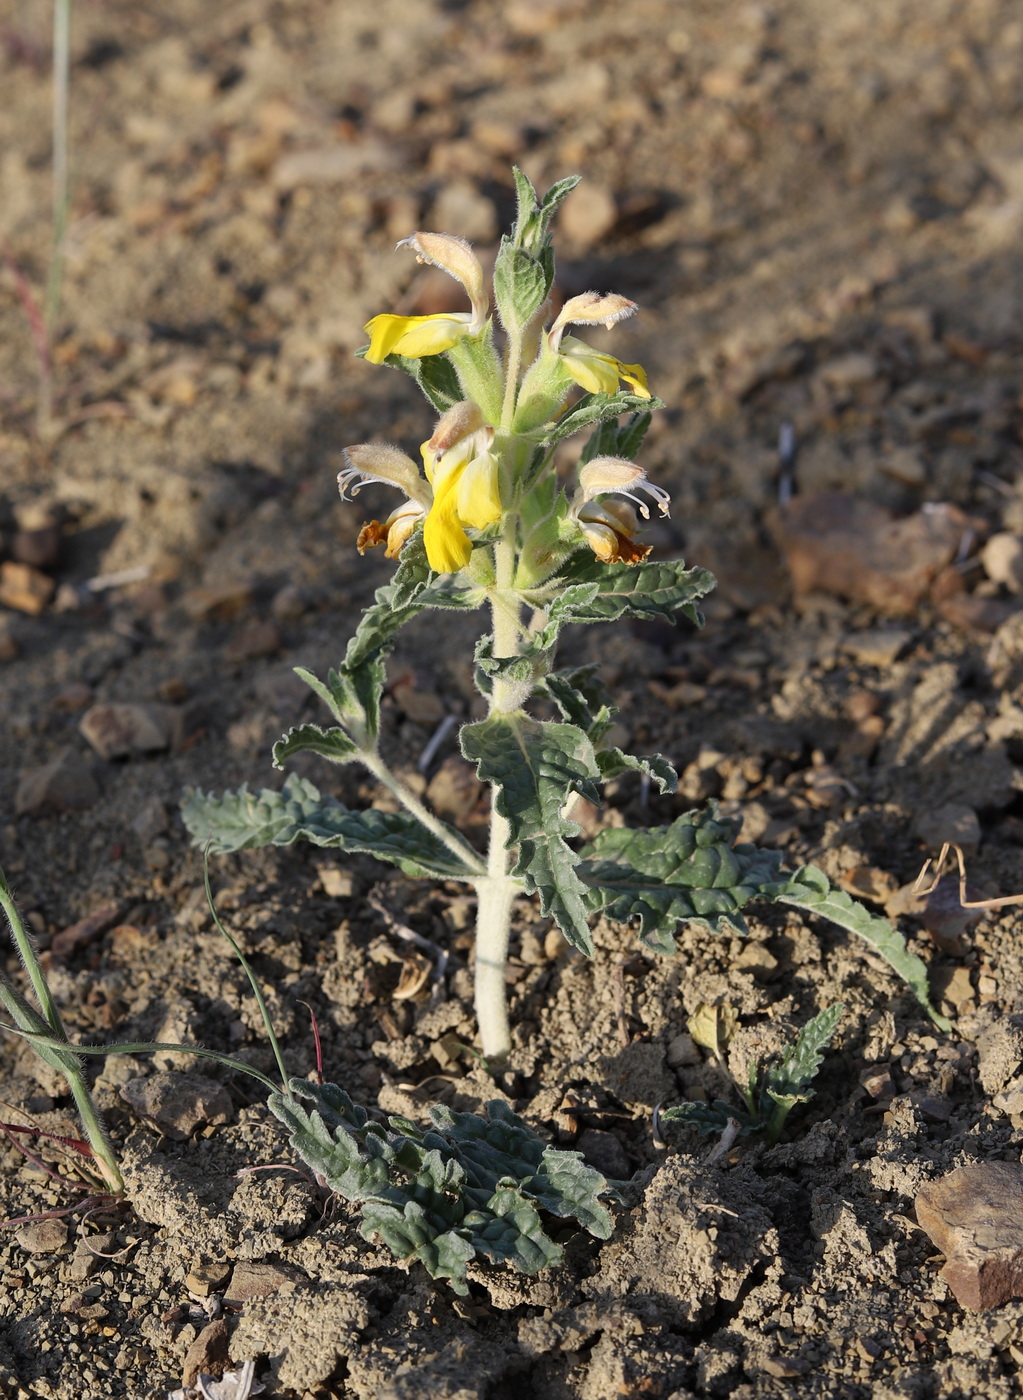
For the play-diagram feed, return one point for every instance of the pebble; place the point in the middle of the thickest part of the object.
(151, 820)
(974, 1215)
(588, 215)
(454, 789)
(42, 1236)
(66, 782)
(261, 1281)
(290, 603)
(116, 731)
(421, 706)
(1002, 558)
(849, 370)
(24, 588)
(602, 1150)
(218, 603)
(786, 1367)
(74, 697)
(464, 211)
(758, 961)
(209, 1353)
(878, 646)
(207, 1278)
(85, 931)
(254, 640)
(951, 822)
(178, 1101)
(38, 548)
(682, 1051)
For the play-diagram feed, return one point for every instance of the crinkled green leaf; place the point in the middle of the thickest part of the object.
(332, 744)
(788, 1080)
(580, 696)
(590, 410)
(435, 375)
(669, 875)
(520, 284)
(244, 820)
(413, 573)
(810, 889)
(614, 762)
(613, 439)
(711, 1119)
(535, 766)
(654, 590)
(468, 1185)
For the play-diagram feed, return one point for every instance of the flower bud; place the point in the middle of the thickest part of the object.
(455, 257)
(378, 461)
(457, 423)
(590, 308)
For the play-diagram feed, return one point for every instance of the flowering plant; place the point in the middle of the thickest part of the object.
(488, 523)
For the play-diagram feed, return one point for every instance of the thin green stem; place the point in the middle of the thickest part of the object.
(511, 380)
(257, 990)
(411, 803)
(30, 960)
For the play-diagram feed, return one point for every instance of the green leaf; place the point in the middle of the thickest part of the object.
(614, 763)
(593, 592)
(711, 1119)
(520, 284)
(413, 572)
(535, 766)
(244, 820)
(810, 889)
(590, 410)
(332, 744)
(669, 875)
(449, 591)
(580, 696)
(468, 1185)
(377, 627)
(613, 439)
(435, 375)
(787, 1081)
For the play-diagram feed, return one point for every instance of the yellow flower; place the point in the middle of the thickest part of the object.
(592, 370)
(418, 336)
(388, 466)
(609, 527)
(465, 479)
(461, 490)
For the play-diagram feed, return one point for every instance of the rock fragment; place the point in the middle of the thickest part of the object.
(42, 1236)
(85, 931)
(178, 1102)
(877, 646)
(117, 731)
(209, 1353)
(38, 548)
(974, 1215)
(588, 215)
(953, 821)
(66, 782)
(835, 543)
(1002, 558)
(24, 588)
(218, 602)
(261, 1281)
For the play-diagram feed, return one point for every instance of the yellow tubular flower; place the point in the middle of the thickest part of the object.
(388, 466)
(609, 526)
(465, 479)
(593, 371)
(419, 336)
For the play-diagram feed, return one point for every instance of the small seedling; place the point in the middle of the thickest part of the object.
(772, 1090)
(488, 523)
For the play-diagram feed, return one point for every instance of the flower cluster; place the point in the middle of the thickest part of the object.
(478, 473)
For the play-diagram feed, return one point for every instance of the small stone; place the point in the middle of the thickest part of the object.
(42, 1236)
(65, 783)
(682, 1051)
(878, 646)
(85, 931)
(758, 961)
(290, 603)
(207, 1278)
(974, 1215)
(151, 821)
(219, 603)
(1002, 558)
(972, 613)
(956, 988)
(461, 208)
(209, 1353)
(421, 706)
(945, 918)
(877, 1080)
(23, 588)
(116, 731)
(588, 214)
(74, 697)
(951, 822)
(254, 640)
(868, 882)
(602, 1150)
(554, 944)
(337, 884)
(847, 371)
(178, 1102)
(869, 1349)
(905, 465)
(251, 1281)
(786, 1367)
(38, 548)
(454, 789)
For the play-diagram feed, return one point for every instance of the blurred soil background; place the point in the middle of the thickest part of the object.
(819, 210)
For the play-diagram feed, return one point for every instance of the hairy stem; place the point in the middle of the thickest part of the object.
(497, 891)
(411, 803)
